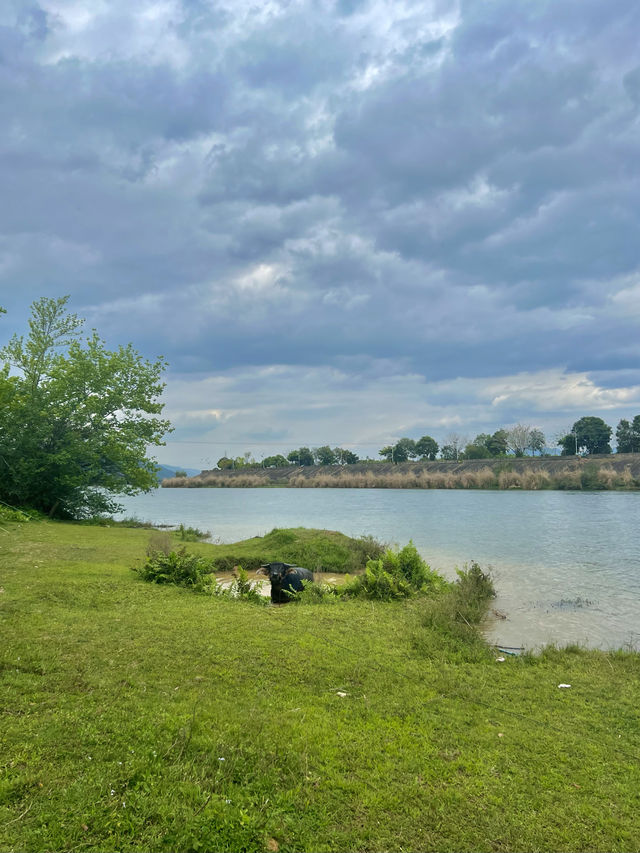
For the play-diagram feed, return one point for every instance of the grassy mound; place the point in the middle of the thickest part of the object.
(142, 717)
(317, 550)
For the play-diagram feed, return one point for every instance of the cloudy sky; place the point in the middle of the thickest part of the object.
(341, 221)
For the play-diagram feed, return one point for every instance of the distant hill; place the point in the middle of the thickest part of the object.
(167, 471)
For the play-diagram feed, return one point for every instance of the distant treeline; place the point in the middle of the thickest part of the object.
(618, 471)
(588, 436)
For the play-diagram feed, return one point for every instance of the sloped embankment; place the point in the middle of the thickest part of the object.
(616, 471)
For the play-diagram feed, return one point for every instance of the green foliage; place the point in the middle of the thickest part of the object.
(76, 418)
(427, 447)
(401, 451)
(277, 461)
(453, 619)
(9, 513)
(176, 567)
(472, 592)
(628, 436)
(396, 574)
(588, 435)
(240, 588)
(485, 446)
(345, 457)
(192, 534)
(120, 699)
(325, 455)
(590, 479)
(317, 550)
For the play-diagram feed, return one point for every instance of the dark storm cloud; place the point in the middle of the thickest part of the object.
(367, 189)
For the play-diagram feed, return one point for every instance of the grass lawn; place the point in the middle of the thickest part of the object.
(142, 717)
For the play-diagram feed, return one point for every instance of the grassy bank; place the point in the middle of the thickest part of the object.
(143, 717)
(620, 471)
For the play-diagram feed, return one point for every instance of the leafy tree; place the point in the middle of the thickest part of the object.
(77, 418)
(225, 463)
(485, 446)
(427, 447)
(277, 461)
(454, 443)
(324, 455)
(346, 457)
(589, 434)
(498, 443)
(628, 436)
(302, 456)
(401, 451)
(448, 452)
(180, 473)
(477, 450)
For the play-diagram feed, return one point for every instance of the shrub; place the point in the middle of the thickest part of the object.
(240, 587)
(9, 513)
(395, 575)
(192, 534)
(176, 567)
(472, 592)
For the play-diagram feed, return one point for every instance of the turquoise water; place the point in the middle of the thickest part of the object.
(566, 564)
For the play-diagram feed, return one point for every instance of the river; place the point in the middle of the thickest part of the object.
(566, 564)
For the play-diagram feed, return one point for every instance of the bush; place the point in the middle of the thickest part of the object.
(395, 575)
(240, 587)
(472, 592)
(9, 513)
(176, 567)
(452, 619)
(192, 534)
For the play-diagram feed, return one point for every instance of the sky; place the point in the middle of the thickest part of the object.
(341, 221)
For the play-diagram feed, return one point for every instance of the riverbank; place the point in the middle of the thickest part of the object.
(143, 717)
(616, 471)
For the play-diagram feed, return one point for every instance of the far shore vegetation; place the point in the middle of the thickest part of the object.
(179, 715)
(577, 473)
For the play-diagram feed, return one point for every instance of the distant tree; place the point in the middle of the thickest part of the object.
(589, 434)
(405, 449)
(345, 457)
(401, 451)
(426, 447)
(537, 441)
(224, 463)
(77, 419)
(498, 443)
(324, 455)
(454, 443)
(448, 452)
(302, 456)
(179, 473)
(277, 461)
(518, 438)
(628, 436)
(476, 450)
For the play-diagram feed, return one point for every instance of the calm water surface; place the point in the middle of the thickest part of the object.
(566, 565)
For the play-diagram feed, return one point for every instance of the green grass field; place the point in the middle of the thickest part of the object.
(143, 717)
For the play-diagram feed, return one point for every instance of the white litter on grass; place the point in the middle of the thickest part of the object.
(564, 685)
(500, 660)
(340, 693)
